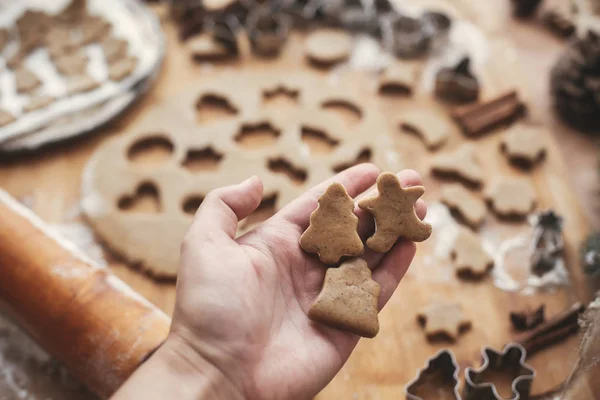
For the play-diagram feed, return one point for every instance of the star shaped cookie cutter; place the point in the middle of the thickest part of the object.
(512, 359)
(441, 368)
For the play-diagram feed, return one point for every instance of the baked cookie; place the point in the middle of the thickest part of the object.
(328, 46)
(122, 68)
(471, 259)
(332, 232)
(72, 64)
(394, 211)
(429, 125)
(462, 164)
(443, 319)
(348, 300)
(94, 29)
(469, 208)
(37, 102)
(25, 80)
(81, 84)
(511, 197)
(114, 48)
(523, 145)
(6, 118)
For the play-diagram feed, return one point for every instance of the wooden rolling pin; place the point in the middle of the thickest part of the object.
(81, 313)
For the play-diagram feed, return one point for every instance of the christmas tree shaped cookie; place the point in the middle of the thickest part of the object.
(394, 212)
(348, 300)
(332, 232)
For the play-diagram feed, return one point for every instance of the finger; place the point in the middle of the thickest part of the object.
(392, 268)
(356, 180)
(223, 208)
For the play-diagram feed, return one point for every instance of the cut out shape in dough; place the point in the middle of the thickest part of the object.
(26, 80)
(332, 233)
(471, 259)
(511, 197)
(429, 125)
(462, 164)
(398, 79)
(328, 46)
(470, 208)
(443, 320)
(348, 300)
(523, 145)
(394, 211)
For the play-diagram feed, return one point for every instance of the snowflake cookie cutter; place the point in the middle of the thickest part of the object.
(511, 358)
(440, 369)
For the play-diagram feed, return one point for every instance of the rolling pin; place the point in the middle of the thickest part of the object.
(79, 312)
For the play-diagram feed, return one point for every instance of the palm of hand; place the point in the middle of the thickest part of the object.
(242, 303)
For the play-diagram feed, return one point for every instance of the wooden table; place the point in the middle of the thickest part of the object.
(52, 179)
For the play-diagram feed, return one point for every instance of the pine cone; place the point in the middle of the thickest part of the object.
(575, 83)
(590, 254)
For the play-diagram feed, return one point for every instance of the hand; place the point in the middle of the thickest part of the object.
(241, 308)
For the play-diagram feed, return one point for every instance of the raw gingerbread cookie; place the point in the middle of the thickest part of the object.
(6, 117)
(398, 78)
(348, 300)
(328, 46)
(25, 80)
(114, 48)
(445, 319)
(511, 197)
(431, 127)
(470, 208)
(461, 163)
(72, 64)
(523, 145)
(122, 68)
(205, 47)
(37, 102)
(394, 211)
(332, 232)
(471, 259)
(81, 84)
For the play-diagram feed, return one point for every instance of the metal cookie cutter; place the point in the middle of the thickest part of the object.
(547, 245)
(354, 15)
(439, 379)
(224, 31)
(406, 37)
(457, 84)
(303, 12)
(267, 31)
(510, 360)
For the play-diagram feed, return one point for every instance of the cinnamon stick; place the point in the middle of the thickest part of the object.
(553, 330)
(481, 118)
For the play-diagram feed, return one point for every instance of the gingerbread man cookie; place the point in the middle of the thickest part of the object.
(523, 145)
(394, 212)
(432, 128)
(470, 208)
(511, 197)
(461, 163)
(471, 259)
(348, 300)
(443, 319)
(332, 232)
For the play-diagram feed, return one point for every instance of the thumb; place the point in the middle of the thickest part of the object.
(223, 208)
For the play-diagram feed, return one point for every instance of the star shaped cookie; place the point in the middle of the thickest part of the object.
(461, 163)
(394, 212)
(511, 197)
(471, 259)
(523, 145)
(443, 319)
